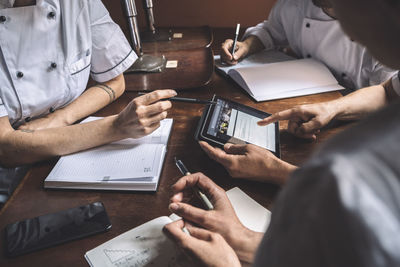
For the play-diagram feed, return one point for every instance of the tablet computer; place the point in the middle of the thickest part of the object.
(231, 122)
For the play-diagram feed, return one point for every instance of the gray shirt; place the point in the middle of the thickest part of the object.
(342, 208)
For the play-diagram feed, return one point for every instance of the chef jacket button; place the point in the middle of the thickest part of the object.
(51, 15)
(20, 74)
(51, 110)
(344, 75)
(53, 65)
(308, 25)
(308, 56)
(28, 119)
(3, 19)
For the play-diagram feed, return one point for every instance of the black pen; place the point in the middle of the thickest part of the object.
(188, 100)
(207, 203)
(235, 40)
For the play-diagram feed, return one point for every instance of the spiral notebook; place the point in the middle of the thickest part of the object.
(130, 164)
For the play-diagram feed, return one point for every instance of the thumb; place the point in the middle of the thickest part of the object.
(235, 149)
(240, 52)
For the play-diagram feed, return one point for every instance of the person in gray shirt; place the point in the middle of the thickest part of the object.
(342, 208)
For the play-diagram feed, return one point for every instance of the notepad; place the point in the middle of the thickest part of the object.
(130, 164)
(147, 245)
(270, 75)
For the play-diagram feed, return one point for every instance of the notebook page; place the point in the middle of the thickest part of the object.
(260, 58)
(159, 136)
(108, 162)
(145, 245)
(250, 213)
(284, 76)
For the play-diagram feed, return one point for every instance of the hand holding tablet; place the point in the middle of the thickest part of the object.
(232, 122)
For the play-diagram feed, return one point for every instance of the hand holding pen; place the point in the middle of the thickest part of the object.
(187, 100)
(233, 50)
(220, 220)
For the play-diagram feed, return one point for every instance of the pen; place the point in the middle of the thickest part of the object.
(235, 40)
(200, 194)
(188, 100)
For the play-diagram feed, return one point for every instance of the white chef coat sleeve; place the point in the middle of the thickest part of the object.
(396, 83)
(111, 51)
(270, 32)
(380, 73)
(3, 111)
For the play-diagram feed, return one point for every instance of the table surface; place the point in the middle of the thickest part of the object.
(130, 209)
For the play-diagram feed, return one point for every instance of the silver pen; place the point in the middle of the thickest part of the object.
(207, 203)
(235, 40)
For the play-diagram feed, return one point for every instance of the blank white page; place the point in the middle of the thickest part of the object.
(283, 76)
(260, 58)
(250, 213)
(108, 162)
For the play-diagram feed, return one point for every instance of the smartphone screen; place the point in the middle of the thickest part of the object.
(56, 228)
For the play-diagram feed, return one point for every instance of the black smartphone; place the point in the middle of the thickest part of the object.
(52, 229)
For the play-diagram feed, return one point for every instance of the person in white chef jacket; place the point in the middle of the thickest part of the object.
(48, 50)
(310, 29)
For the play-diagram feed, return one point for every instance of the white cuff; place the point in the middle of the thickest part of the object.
(396, 83)
(261, 34)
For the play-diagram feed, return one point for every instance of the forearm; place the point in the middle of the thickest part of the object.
(18, 147)
(92, 100)
(359, 103)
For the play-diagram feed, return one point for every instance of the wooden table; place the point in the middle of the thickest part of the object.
(130, 209)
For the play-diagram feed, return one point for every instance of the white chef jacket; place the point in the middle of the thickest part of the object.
(309, 32)
(48, 51)
(396, 83)
(342, 208)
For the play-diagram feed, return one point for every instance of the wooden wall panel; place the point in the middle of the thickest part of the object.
(215, 13)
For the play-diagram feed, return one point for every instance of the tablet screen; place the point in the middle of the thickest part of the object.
(229, 120)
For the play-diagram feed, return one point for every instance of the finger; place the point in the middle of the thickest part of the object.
(293, 126)
(175, 232)
(189, 213)
(235, 149)
(227, 46)
(282, 115)
(177, 197)
(154, 97)
(156, 108)
(149, 129)
(203, 182)
(239, 53)
(146, 122)
(216, 154)
(198, 233)
(310, 127)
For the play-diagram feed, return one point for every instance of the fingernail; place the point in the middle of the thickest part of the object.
(173, 207)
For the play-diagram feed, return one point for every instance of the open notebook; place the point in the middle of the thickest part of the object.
(147, 245)
(271, 74)
(130, 164)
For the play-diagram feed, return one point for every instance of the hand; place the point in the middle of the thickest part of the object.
(143, 114)
(208, 248)
(251, 162)
(305, 121)
(222, 219)
(51, 120)
(242, 49)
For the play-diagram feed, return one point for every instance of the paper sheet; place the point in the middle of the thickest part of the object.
(147, 245)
